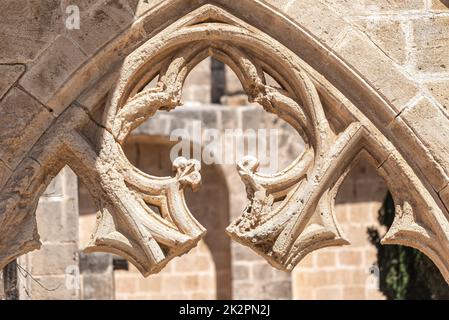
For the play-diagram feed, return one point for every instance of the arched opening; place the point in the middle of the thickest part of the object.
(418, 169)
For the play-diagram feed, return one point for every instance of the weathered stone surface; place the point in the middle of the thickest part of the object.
(377, 68)
(27, 28)
(444, 195)
(421, 154)
(440, 90)
(21, 116)
(336, 131)
(440, 5)
(97, 276)
(389, 36)
(372, 7)
(431, 37)
(4, 173)
(52, 69)
(10, 74)
(100, 23)
(98, 286)
(52, 288)
(316, 16)
(140, 7)
(55, 220)
(54, 259)
(432, 127)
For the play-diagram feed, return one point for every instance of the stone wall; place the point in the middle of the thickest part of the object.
(52, 272)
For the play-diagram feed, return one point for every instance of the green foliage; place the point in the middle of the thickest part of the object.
(405, 273)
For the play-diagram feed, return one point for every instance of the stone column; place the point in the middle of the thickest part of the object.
(52, 272)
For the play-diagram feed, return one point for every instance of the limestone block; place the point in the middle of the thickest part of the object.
(444, 195)
(52, 288)
(27, 27)
(98, 287)
(440, 5)
(369, 7)
(53, 259)
(277, 290)
(440, 90)
(52, 69)
(209, 117)
(241, 272)
(387, 35)
(55, 189)
(4, 173)
(431, 37)
(97, 276)
(421, 154)
(83, 5)
(100, 23)
(378, 69)
(432, 127)
(21, 117)
(56, 221)
(391, 5)
(253, 118)
(315, 16)
(10, 74)
(140, 7)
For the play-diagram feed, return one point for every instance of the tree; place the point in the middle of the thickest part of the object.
(405, 272)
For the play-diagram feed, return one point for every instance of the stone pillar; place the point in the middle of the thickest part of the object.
(97, 274)
(52, 272)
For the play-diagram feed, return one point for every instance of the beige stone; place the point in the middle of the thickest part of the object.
(440, 5)
(27, 28)
(21, 114)
(444, 195)
(52, 288)
(352, 100)
(362, 54)
(53, 259)
(440, 90)
(432, 127)
(431, 36)
(316, 16)
(389, 36)
(10, 74)
(350, 258)
(100, 23)
(52, 69)
(326, 259)
(370, 7)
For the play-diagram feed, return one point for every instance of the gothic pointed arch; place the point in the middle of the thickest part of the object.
(290, 213)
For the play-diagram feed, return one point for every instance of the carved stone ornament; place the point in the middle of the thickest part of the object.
(288, 215)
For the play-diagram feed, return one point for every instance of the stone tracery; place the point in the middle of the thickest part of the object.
(303, 219)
